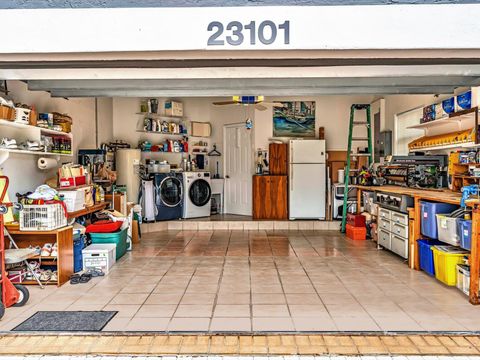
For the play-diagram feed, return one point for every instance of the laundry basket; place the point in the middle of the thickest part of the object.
(42, 217)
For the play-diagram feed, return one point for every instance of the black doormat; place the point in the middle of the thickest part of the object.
(66, 321)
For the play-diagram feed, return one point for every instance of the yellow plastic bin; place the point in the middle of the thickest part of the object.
(446, 259)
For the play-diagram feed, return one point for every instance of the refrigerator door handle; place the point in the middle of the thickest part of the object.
(291, 177)
(291, 152)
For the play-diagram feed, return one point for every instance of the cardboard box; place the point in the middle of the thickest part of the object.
(173, 108)
(99, 256)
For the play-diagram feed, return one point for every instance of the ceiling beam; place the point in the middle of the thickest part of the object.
(185, 84)
(243, 72)
(266, 91)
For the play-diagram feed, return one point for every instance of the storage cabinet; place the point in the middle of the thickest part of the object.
(278, 159)
(64, 239)
(270, 197)
(393, 231)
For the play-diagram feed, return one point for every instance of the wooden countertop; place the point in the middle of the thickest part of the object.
(88, 210)
(446, 196)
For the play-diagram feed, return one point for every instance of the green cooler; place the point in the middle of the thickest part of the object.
(118, 238)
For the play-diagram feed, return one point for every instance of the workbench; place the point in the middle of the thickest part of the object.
(445, 196)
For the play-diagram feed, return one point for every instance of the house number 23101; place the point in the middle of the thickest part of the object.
(235, 33)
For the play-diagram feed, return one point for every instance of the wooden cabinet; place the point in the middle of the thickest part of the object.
(278, 159)
(270, 197)
(64, 239)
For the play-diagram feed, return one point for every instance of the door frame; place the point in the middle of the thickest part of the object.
(224, 165)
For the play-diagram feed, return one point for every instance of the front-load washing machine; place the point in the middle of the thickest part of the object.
(169, 196)
(198, 194)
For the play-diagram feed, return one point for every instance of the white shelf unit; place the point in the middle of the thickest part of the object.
(24, 132)
(29, 152)
(447, 124)
(161, 133)
(458, 121)
(162, 117)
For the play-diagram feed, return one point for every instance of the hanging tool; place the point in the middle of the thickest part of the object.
(351, 139)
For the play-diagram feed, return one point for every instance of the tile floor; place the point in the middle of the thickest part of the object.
(261, 281)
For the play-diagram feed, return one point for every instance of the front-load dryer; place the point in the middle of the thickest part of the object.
(169, 196)
(198, 194)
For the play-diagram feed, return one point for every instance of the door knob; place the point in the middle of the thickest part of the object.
(227, 177)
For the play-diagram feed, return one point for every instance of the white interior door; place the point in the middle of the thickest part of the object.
(238, 169)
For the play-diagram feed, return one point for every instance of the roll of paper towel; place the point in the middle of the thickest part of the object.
(47, 164)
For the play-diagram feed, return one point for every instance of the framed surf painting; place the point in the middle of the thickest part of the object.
(294, 119)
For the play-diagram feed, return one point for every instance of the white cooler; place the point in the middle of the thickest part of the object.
(99, 256)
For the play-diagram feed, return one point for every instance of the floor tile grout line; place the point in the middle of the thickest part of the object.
(178, 304)
(218, 286)
(281, 284)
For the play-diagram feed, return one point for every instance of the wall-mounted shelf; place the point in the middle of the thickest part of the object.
(457, 121)
(164, 152)
(29, 152)
(13, 124)
(161, 133)
(158, 116)
(448, 146)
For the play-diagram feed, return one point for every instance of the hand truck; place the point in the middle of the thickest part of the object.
(12, 295)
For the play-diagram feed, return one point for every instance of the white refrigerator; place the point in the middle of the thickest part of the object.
(307, 179)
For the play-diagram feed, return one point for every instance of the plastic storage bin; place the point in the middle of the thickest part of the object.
(99, 257)
(447, 229)
(426, 255)
(356, 232)
(118, 238)
(446, 258)
(463, 278)
(429, 210)
(78, 245)
(465, 227)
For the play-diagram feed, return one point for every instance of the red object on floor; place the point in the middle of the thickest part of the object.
(356, 220)
(104, 226)
(356, 232)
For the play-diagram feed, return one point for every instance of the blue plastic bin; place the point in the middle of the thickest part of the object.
(426, 255)
(78, 245)
(465, 234)
(429, 210)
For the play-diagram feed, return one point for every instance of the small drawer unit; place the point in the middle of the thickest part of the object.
(384, 213)
(400, 218)
(400, 230)
(384, 239)
(400, 246)
(393, 231)
(385, 224)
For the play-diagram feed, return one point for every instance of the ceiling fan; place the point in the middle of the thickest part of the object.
(257, 101)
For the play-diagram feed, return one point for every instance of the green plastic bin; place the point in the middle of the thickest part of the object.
(118, 238)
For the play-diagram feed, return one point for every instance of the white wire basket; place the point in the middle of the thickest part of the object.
(42, 217)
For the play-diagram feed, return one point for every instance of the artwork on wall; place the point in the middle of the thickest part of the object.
(294, 119)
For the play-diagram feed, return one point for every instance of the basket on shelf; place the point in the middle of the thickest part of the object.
(42, 217)
(33, 118)
(63, 120)
(7, 113)
(22, 115)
